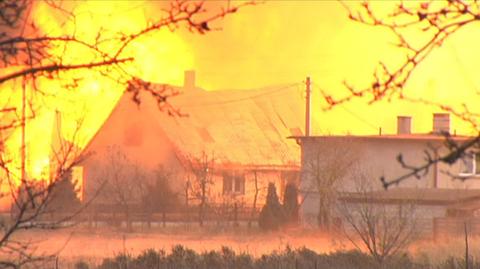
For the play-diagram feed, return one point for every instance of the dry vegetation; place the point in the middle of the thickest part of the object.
(246, 249)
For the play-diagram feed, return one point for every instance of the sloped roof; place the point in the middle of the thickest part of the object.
(237, 127)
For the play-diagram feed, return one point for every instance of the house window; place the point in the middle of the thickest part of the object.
(233, 183)
(471, 165)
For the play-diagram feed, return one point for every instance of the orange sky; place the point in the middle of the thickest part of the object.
(283, 41)
(272, 43)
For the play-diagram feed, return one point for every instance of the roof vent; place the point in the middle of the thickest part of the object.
(441, 123)
(404, 125)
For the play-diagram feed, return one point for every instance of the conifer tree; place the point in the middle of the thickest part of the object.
(290, 203)
(64, 194)
(272, 215)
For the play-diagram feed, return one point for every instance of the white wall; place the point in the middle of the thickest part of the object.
(372, 158)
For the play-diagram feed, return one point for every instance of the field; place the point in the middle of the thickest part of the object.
(92, 246)
(100, 243)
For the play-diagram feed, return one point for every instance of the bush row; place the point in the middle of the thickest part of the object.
(184, 258)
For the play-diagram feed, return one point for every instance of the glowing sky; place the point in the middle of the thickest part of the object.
(268, 44)
(283, 41)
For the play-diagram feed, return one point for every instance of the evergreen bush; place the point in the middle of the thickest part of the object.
(272, 216)
(290, 203)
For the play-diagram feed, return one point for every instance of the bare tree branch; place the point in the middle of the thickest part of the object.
(437, 21)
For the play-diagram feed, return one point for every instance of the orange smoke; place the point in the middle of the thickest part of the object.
(272, 43)
(284, 41)
(159, 57)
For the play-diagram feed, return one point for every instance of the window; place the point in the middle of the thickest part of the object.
(471, 165)
(233, 183)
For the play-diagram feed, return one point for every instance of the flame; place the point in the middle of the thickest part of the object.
(159, 57)
(270, 44)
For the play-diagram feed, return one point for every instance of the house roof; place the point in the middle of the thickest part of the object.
(237, 127)
(427, 196)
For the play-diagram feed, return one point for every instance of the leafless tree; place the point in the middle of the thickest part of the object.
(201, 168)
(255, 198)
(326, 170)
(159, 196)
(27, 58)
(26, 52)
(122, 184)
(384, 230)
(33, 200)
(437, 21)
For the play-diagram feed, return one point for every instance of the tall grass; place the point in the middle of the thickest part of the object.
(181, 257)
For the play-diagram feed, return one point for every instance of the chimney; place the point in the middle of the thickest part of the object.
(441, 123)
(189, 79)
(404, 125)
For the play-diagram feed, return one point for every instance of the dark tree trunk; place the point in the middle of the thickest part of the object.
(254, 209)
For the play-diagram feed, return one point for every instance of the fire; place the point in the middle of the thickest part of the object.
(285, 41)
(274, 43)
(158, 57)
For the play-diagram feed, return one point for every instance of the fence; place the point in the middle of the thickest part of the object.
(111, 215)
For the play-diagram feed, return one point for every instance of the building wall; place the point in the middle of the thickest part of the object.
(247, 196)
(370, 158)
(420, 218)
(131, 131)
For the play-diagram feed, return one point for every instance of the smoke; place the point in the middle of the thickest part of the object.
(159, 57)
(271, 43)
(285, 41)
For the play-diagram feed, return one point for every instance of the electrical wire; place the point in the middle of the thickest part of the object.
(355, 115)
(246, 98)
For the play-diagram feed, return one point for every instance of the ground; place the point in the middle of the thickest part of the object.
(93, 245)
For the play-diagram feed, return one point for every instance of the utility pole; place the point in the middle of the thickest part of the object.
(466, 245)
(307, 107)
(23, 154)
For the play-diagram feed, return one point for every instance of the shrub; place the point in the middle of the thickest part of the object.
(226, 258)
(272, 215)
(244, 261)
(81, 265)
(160, 196)
(183, 258)
(290, 203)
(64, 195)
(149, 259)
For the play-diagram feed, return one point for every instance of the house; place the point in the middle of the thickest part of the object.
(240, 133)
(345, 162)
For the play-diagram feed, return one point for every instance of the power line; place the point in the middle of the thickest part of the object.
(461, 65)
(245, 98)
(355, 115)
